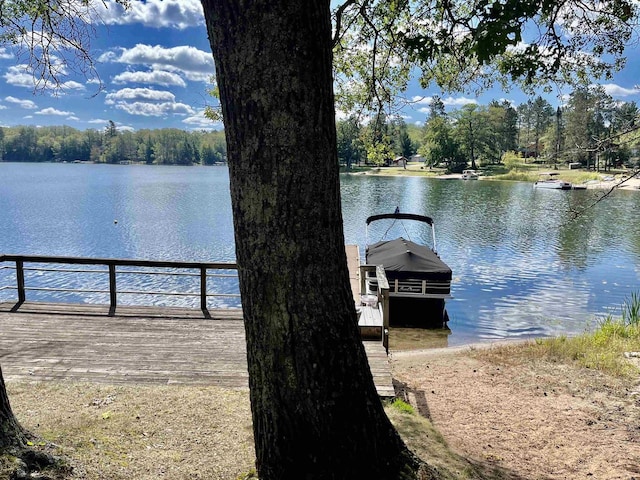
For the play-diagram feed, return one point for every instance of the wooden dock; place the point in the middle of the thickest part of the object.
(80, 342)
(353, 263)
(370, 321)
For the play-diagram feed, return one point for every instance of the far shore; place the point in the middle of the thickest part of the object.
(623, 181)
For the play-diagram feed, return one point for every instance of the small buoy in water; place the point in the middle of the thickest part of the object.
(115, 221)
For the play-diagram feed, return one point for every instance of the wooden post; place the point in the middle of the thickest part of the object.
(203, 288)
(383, 297)
(363, 279)
(20, 281)
(112, 288)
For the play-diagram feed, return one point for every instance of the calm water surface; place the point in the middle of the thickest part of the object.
(521, 266)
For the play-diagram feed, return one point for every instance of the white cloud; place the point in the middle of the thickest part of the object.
(153, 13)
(18, 76)
(21, 102)
(2, 107)
(341, 114)
(71, 85)
(564, 99)
(458, 102)
(422, 100)
(194, 64)
(53, 111)
(618, 91)
(448, 102)
(200, 122)
(98, 120)
(147, 102)
(125, 128)
(4, 55)
(139, 95)
(510, 101)
(109, 56)
(155, 109)
(154, 77)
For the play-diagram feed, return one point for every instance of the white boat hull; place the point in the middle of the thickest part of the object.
(552, 184)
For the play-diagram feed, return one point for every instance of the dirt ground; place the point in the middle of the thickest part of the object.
(537, 419)
(512, 416)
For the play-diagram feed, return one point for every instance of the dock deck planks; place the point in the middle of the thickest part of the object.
(353, 263)
(156, 345)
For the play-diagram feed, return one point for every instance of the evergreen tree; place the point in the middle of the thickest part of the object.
(438, 142)
(350, 148)
(542, 115)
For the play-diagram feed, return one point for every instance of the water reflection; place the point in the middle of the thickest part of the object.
(522, 267)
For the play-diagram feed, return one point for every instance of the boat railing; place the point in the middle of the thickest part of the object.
(382, 295)
(29, 270)
(403, 216)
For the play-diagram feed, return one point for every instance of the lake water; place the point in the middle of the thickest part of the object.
(522, 267)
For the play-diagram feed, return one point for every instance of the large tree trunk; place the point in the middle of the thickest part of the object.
(14, 442)
(11, 433)
(315, 410)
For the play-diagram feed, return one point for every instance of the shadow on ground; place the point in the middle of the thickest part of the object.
(423, 438)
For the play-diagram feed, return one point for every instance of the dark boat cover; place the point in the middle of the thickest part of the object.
(405, 259)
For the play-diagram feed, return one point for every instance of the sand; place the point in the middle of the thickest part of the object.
(538, 419)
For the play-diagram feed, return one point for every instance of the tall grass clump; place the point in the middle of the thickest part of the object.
(579, 176)
(517, 176)
(631, 311)
(604, 348)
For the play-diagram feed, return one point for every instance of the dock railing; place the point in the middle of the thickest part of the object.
(34, 263)
(382, 295)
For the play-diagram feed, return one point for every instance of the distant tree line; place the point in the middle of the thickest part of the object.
(166, 146)
(590, 128)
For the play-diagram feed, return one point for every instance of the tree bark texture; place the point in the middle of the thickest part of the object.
(11, 433)
(315, 410)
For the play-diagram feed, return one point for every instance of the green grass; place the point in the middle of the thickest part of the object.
(604, 348)
(531, 174)
(631, 310)
(579, 176)
(600, 350)
(402, 407)
(517, 176)
(354, 169)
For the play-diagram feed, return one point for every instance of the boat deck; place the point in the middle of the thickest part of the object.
(79, 342)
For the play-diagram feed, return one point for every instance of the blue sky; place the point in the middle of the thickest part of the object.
(155, 63)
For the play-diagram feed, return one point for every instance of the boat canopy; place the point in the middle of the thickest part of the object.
(400, 216)
(405, 259)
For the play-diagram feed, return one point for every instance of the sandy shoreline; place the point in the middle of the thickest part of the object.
(616, 183)
(631, 184)
(536, 419)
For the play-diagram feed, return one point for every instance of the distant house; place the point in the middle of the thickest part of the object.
(530, 150)
(400, 161)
